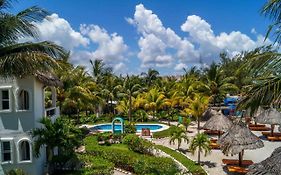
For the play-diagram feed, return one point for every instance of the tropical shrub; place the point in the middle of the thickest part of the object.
(96, 165)
(16, 172)
(137, 144)
(130, 128)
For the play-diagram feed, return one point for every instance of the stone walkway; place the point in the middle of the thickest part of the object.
(212, 162)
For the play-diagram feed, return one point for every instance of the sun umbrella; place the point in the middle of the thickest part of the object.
(270, 116)
(237, 139)
(269, 166)
(218, 122)
(208, 114)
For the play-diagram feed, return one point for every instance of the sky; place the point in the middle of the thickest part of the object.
(168, 35)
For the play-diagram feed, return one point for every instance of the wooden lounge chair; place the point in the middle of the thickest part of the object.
(237, 169)
(256, 125)
(259, 128)
(213, 140)
(236, 162)
(214, 146)
(274, 138)
(275, 134)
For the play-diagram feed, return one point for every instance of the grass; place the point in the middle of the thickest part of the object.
(164, 133)
(189, 164)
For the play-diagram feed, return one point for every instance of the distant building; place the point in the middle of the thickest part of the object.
(22, 105)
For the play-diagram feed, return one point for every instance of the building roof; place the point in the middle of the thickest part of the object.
(48, 79)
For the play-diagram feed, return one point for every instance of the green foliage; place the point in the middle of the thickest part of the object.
(131, 161)
(179, 135)
(200, 142)
(96, 165)
(16, 172)
(138, 144)
(164, 133)
(130, 128)
(189, 164)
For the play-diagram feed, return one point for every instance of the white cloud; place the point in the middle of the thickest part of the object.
(180, 66)
(211, 45)
(253, 31)
(159, 46)
(111, 47)
(58, 30)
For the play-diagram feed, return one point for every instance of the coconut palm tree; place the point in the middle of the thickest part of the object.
(179, 135)
(201, 143)
(25, 58)
(154, 100)
(216, 85)
(196, 107)
(129, 90)
(150, 76)
(271, 9)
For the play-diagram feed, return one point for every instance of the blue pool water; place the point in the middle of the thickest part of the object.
(108, 127)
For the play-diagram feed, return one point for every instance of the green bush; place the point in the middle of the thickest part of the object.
(137, 144)
(131, 161)
(155, 165)
(16, 172)
(130, 128)
(96, 165)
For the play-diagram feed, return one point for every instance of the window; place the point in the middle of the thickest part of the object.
(6, 150)
(23, 100)
(24, 151)
(5, 100)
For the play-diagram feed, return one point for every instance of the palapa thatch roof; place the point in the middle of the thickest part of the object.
(269, 116)
(239, 138)
(48, 79)
(218, 122)
(269, 166)
(208, 114)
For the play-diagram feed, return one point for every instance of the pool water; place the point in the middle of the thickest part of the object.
(139, 127)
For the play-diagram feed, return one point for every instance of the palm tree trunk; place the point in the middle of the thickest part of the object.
(199, 150)
(130, 107)
(198, 125)
(272, 130)
(241, 158)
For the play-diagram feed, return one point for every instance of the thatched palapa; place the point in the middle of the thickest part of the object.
(270, 116)
(237, 139)
(218, 122)
(48, 79)
(208, 114)
(269, 166)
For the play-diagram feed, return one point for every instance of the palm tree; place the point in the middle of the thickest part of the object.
(61, 133)
(154, 100)
(201, 143)
(196, 107)
(216, 85)
(150, 76)
(179, 135)
(26, 58)
(272, 10)
(130, 89)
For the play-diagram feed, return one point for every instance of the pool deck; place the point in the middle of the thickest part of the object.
(164, 127)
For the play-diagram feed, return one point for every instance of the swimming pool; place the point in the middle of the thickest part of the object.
(108, 127)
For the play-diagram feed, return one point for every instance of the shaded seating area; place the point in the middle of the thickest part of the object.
(259, 128)
(274, 134)
(213, 132)
(273, 138)
(214, 145)
(237, 139)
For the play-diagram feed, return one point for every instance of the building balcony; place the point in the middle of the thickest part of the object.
(52, 112)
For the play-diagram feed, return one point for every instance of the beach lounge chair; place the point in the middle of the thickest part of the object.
(213, 140)
(256, 125)
(275, 134)
(212, 132)
(237, 169)
(273, 138)
(214, 146)
(259, 128)
(236, 162)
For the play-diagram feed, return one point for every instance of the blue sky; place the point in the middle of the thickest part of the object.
(132, 36)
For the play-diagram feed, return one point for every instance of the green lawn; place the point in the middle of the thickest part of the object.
(189, 164)
(164, 133)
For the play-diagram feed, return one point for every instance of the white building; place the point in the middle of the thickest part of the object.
(22, 105)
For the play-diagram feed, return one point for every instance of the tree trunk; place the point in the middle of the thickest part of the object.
(198, 125)
(241, 158)
(199, 150)
(130, 107)
(219, 134)
(272, 130)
